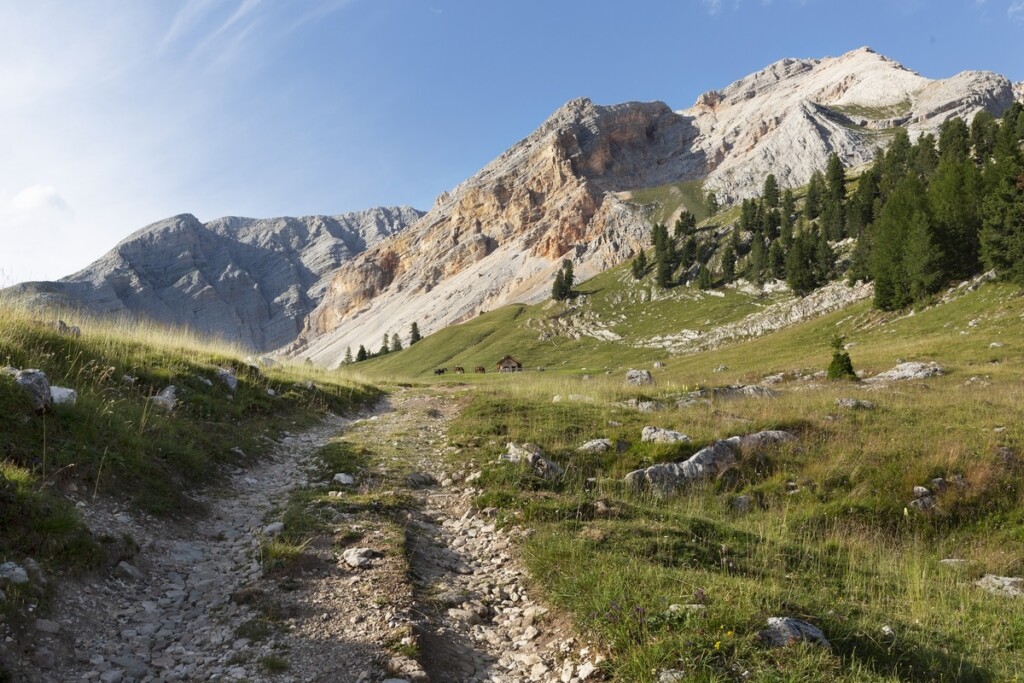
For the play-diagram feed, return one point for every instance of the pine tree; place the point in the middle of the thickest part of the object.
(757, 262)
(1002, 234)
(414, 334)
(568, 278)
(888, 248)
(984, 130)
(777, 260)
(396, 343)
(955, 201)
(954, 140)
(895, 163)
(800, 265)
(728, 263)
(841, 366)
(348, 356)
(925, 156)
(662, 269)
(640, 265)
(815, 196)
(922, 258)
(712, 203)
(704, 278)
(685, 223)
(833, 205)
(385, 347)
(361, 354)
(788, 207)
(770, 192)
(688, 256)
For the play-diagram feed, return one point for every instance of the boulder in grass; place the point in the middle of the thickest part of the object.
(228, 378)
(596, 446)
(60, 396)
(784, 631)
(1010, 586)
(166, 399)
(35, 384)
(532, 455)
(659, 435)
(639, 377)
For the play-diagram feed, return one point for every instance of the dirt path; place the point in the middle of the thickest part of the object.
(441, 596)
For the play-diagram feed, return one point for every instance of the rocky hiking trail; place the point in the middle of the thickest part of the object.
(426, 589)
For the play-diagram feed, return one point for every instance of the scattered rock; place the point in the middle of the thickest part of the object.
(360, 558)
(343, 479)
(420, 480)
(13, 572)
(658, 435)
(921, 492)
(47, 626)
(1011, 587)
(907, 371)
(128, 572)
(641, 405)
(533, 455)
(741, 504)
(783, 631)
(709, 461)
(672, 676)
(996, 345)
(63, 328)
(63, 396)
(855, 404)
(659, 364)
(165, 399)
(228, 378)
(44, 658)
(721, 368)
(596, 446)
(953, 562)
(639, 377)
(273, 529)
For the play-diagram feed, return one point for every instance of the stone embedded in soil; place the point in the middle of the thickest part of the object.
(659, 435)
(360, 558)
(596, 446)
(1010, 586)
(783, 631)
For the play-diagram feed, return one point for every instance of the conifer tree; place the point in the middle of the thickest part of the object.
(788, 207)
(770, 192)
(984, 130)
(688, 256)
(639, 266)
(385, 347)
(888, 249)
(348, 356)
(757, 261)
(728, 263)
(1002, 234)
(954, 140)
(361, 354)
(815, 196)
(685, 223)
(712, 203)
(704, 278)
(800, 264)
(777, 260)
(955, 201)
(396, 343)
(558, 287)
(414, 334)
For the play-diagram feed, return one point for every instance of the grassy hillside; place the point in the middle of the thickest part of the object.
(116, 442)
(829, 538)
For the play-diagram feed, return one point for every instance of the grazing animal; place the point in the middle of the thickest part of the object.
(440, 371)
(480, 368)
(459, 370)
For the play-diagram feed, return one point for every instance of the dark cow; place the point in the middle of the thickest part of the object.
(460, 370)
(480, 368)
(440, 371)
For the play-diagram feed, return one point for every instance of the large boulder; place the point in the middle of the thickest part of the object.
(907, 371)
(708, 462)
(639, 377)
(1010, 586)
(596, 446)
(228, 378)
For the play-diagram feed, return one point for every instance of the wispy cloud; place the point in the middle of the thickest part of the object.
(1016, 11)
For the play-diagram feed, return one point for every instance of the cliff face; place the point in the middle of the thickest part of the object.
(498, 237)
(245, 280)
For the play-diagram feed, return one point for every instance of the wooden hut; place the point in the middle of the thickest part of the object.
(509, 364)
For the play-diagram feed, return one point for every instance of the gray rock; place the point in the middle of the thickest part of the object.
(596, 446)
(273, 529)
(658, 435)
(672, 676)
(63, 396)
(343, 479)
(359, 558)
(44, 658)
(907, 371)
(128, 572)
(35, 384)
(639, 377)
(13, 572)
(783, 631)
(996, 345)
(855, 404)
(112, 676)
(1010, 586)
(741, 504)
(166, 399)
(761, 440)
(47, 626)
(532, 455)
(921, 492)
(924, 503)
(228, 378)
(420, 480)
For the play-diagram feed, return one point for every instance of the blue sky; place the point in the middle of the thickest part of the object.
(117, 114)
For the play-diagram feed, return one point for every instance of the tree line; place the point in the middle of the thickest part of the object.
(390, 344)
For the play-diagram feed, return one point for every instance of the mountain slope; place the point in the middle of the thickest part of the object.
(246, 280)
(498, 237)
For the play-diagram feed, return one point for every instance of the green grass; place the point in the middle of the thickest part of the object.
(113, 442)
(843, 552)
(667, 201)
(875, 113)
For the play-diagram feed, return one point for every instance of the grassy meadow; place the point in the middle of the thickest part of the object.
(686, 582)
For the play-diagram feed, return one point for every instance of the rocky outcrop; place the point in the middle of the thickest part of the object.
(249, 281)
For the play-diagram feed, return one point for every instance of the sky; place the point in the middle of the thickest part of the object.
(116, 114)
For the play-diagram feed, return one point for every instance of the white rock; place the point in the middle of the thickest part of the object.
(15, 573)
(63, 396)
(658, 435)
(596, 446)
(344, 479)
(165, 399)
(273, 529)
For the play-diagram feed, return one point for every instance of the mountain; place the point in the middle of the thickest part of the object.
(242, 279)
(563, 192)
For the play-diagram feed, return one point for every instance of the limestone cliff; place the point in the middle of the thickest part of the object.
(498, 237)
(245, 280)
